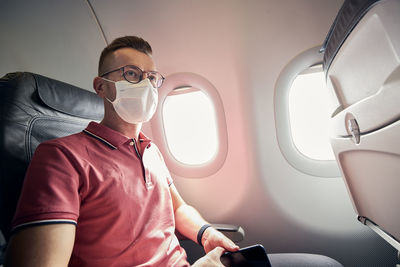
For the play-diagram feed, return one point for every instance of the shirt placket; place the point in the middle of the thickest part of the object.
(146, 173)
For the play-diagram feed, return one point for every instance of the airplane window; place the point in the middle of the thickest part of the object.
(189, 119)
(302, 114)
(309, 114)
(189, 126)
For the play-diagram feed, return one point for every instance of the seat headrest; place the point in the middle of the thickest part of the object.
(57, 95)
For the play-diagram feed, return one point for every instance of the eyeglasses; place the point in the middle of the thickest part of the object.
(134, 74)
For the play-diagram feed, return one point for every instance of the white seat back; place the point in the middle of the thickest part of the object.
(364, 77)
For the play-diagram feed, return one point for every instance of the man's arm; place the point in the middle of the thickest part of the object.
(45, 245)
(188, 222)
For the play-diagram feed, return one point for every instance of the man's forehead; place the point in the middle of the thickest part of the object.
(130, 56)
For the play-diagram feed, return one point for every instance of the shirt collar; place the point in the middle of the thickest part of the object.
(112, 138)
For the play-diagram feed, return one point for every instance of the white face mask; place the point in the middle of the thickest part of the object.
(135, 103)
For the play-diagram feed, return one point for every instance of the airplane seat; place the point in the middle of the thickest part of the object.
(362, 67)
(34, 109)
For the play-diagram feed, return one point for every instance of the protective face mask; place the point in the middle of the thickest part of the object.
(135, 103)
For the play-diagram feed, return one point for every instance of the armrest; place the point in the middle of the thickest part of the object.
(233, 232)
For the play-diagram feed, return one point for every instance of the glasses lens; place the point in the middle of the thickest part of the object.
(155, 78)
(132, 74)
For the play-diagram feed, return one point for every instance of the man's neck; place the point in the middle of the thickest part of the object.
(128, 129)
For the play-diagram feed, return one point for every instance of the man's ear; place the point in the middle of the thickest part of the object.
(98, 86)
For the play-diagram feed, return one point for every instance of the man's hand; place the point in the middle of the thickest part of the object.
(213, 238)
(211, 259)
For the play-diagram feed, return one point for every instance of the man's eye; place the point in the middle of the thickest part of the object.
(131, 73)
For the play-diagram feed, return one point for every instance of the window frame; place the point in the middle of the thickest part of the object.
(319, 168)
(187, 79)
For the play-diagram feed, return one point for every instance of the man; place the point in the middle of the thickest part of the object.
(104, 197)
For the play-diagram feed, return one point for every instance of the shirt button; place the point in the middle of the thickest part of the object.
(131, 143)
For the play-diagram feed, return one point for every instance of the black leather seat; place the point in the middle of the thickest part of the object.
(35, 108)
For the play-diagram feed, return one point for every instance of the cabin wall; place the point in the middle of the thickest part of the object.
(240, 47)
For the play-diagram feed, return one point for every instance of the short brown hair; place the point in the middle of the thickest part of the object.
(134, 42)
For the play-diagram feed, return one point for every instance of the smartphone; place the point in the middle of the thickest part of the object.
(253, 256)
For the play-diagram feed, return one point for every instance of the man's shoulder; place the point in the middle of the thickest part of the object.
(71, 146)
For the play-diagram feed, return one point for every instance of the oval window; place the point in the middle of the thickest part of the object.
(189, 126)
(302, 114)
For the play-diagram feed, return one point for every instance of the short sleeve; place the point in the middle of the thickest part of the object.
(50, 193)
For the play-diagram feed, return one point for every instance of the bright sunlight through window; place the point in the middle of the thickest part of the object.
(190, 126)
(309, 114)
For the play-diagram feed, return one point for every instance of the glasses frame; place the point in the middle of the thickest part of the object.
(141, 74)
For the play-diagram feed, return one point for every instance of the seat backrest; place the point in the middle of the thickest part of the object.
(34, 109)
(363, 71)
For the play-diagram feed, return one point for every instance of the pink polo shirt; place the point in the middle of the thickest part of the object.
(118, 199)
